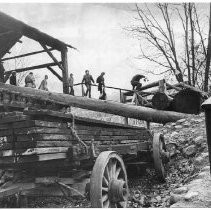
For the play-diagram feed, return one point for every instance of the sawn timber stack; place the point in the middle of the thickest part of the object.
(35, 136)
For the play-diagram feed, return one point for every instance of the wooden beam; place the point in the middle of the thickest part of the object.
(52, 56)
(65, 70)
(31, 68)
(141, 113)
(25, 55)
(2, 70)
(169, 86)
(55, 73)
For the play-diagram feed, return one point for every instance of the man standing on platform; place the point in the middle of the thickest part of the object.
(88, 79)
(30, 80)
(101, 82)
(71, 83)
(13, 80)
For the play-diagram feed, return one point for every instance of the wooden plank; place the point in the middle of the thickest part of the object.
(32, 158)
(31, 68)
(16, 188)
(37, 144)
(46, 137)
(10, 119)
(33, 151)
(34, 130)
(125, 148)
(25, 55)
(39, 123)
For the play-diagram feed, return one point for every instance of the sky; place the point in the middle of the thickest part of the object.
(95, 29)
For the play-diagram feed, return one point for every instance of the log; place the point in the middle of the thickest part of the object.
(187, 101)
(161, 101)
(141, 113)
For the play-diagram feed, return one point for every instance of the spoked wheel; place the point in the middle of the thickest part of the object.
(160, 156)
(108, 184)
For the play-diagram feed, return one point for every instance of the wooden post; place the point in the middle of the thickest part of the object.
(162, 86)
(2, 70)
(65, 70)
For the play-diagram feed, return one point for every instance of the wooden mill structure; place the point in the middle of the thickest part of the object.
(11, 31)
(42, 144)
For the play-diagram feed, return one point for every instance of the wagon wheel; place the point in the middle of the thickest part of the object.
(108, 184)
(160, 156)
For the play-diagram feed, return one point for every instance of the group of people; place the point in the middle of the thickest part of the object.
(87, 80)
(30, 81)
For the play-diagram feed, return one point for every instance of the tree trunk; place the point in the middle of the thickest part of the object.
(192, 43)
(161, 101)
(187, 101)
(206, 74)
(141, 113)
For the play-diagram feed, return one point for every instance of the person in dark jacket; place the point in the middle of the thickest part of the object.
(88, 80)
(30, 80)
(13, 80)
(101, 82)
(135, 82)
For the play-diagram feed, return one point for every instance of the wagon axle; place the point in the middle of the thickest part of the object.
(117, 191)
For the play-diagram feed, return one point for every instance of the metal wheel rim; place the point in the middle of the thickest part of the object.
(158, 147)
(108, 169)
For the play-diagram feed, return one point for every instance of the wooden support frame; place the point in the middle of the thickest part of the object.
(31, 68)
(25, 55)
(55, 73)
(65, 70)
(52, 56)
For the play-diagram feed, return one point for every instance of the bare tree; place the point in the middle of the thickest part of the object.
(157, 32)
(206, 75)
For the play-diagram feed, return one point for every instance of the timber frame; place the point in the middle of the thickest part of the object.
(11, 31)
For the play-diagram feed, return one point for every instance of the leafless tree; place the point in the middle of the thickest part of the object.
(156, 31)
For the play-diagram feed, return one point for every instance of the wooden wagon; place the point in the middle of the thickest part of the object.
(52, 147)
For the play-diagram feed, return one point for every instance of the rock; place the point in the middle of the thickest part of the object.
(186, 124)
(181, 121)
(190, 150)
(202, 175)
(204, 154)
(153, 200)
(206, 168)
(175, 198)
(198, 140)
(178, 126)
(158, 198)
(198, 161)
(173, 124)
(181, 190)
(174, 134)
(190, 195)
(142, 200)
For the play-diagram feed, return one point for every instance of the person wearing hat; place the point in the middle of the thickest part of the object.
(70, 84)
(135, 82)
(101, 82)
(88, 79)
(13, 80)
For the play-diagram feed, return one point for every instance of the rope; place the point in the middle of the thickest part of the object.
(74, 133)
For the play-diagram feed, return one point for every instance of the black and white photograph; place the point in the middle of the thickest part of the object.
(105, 104)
